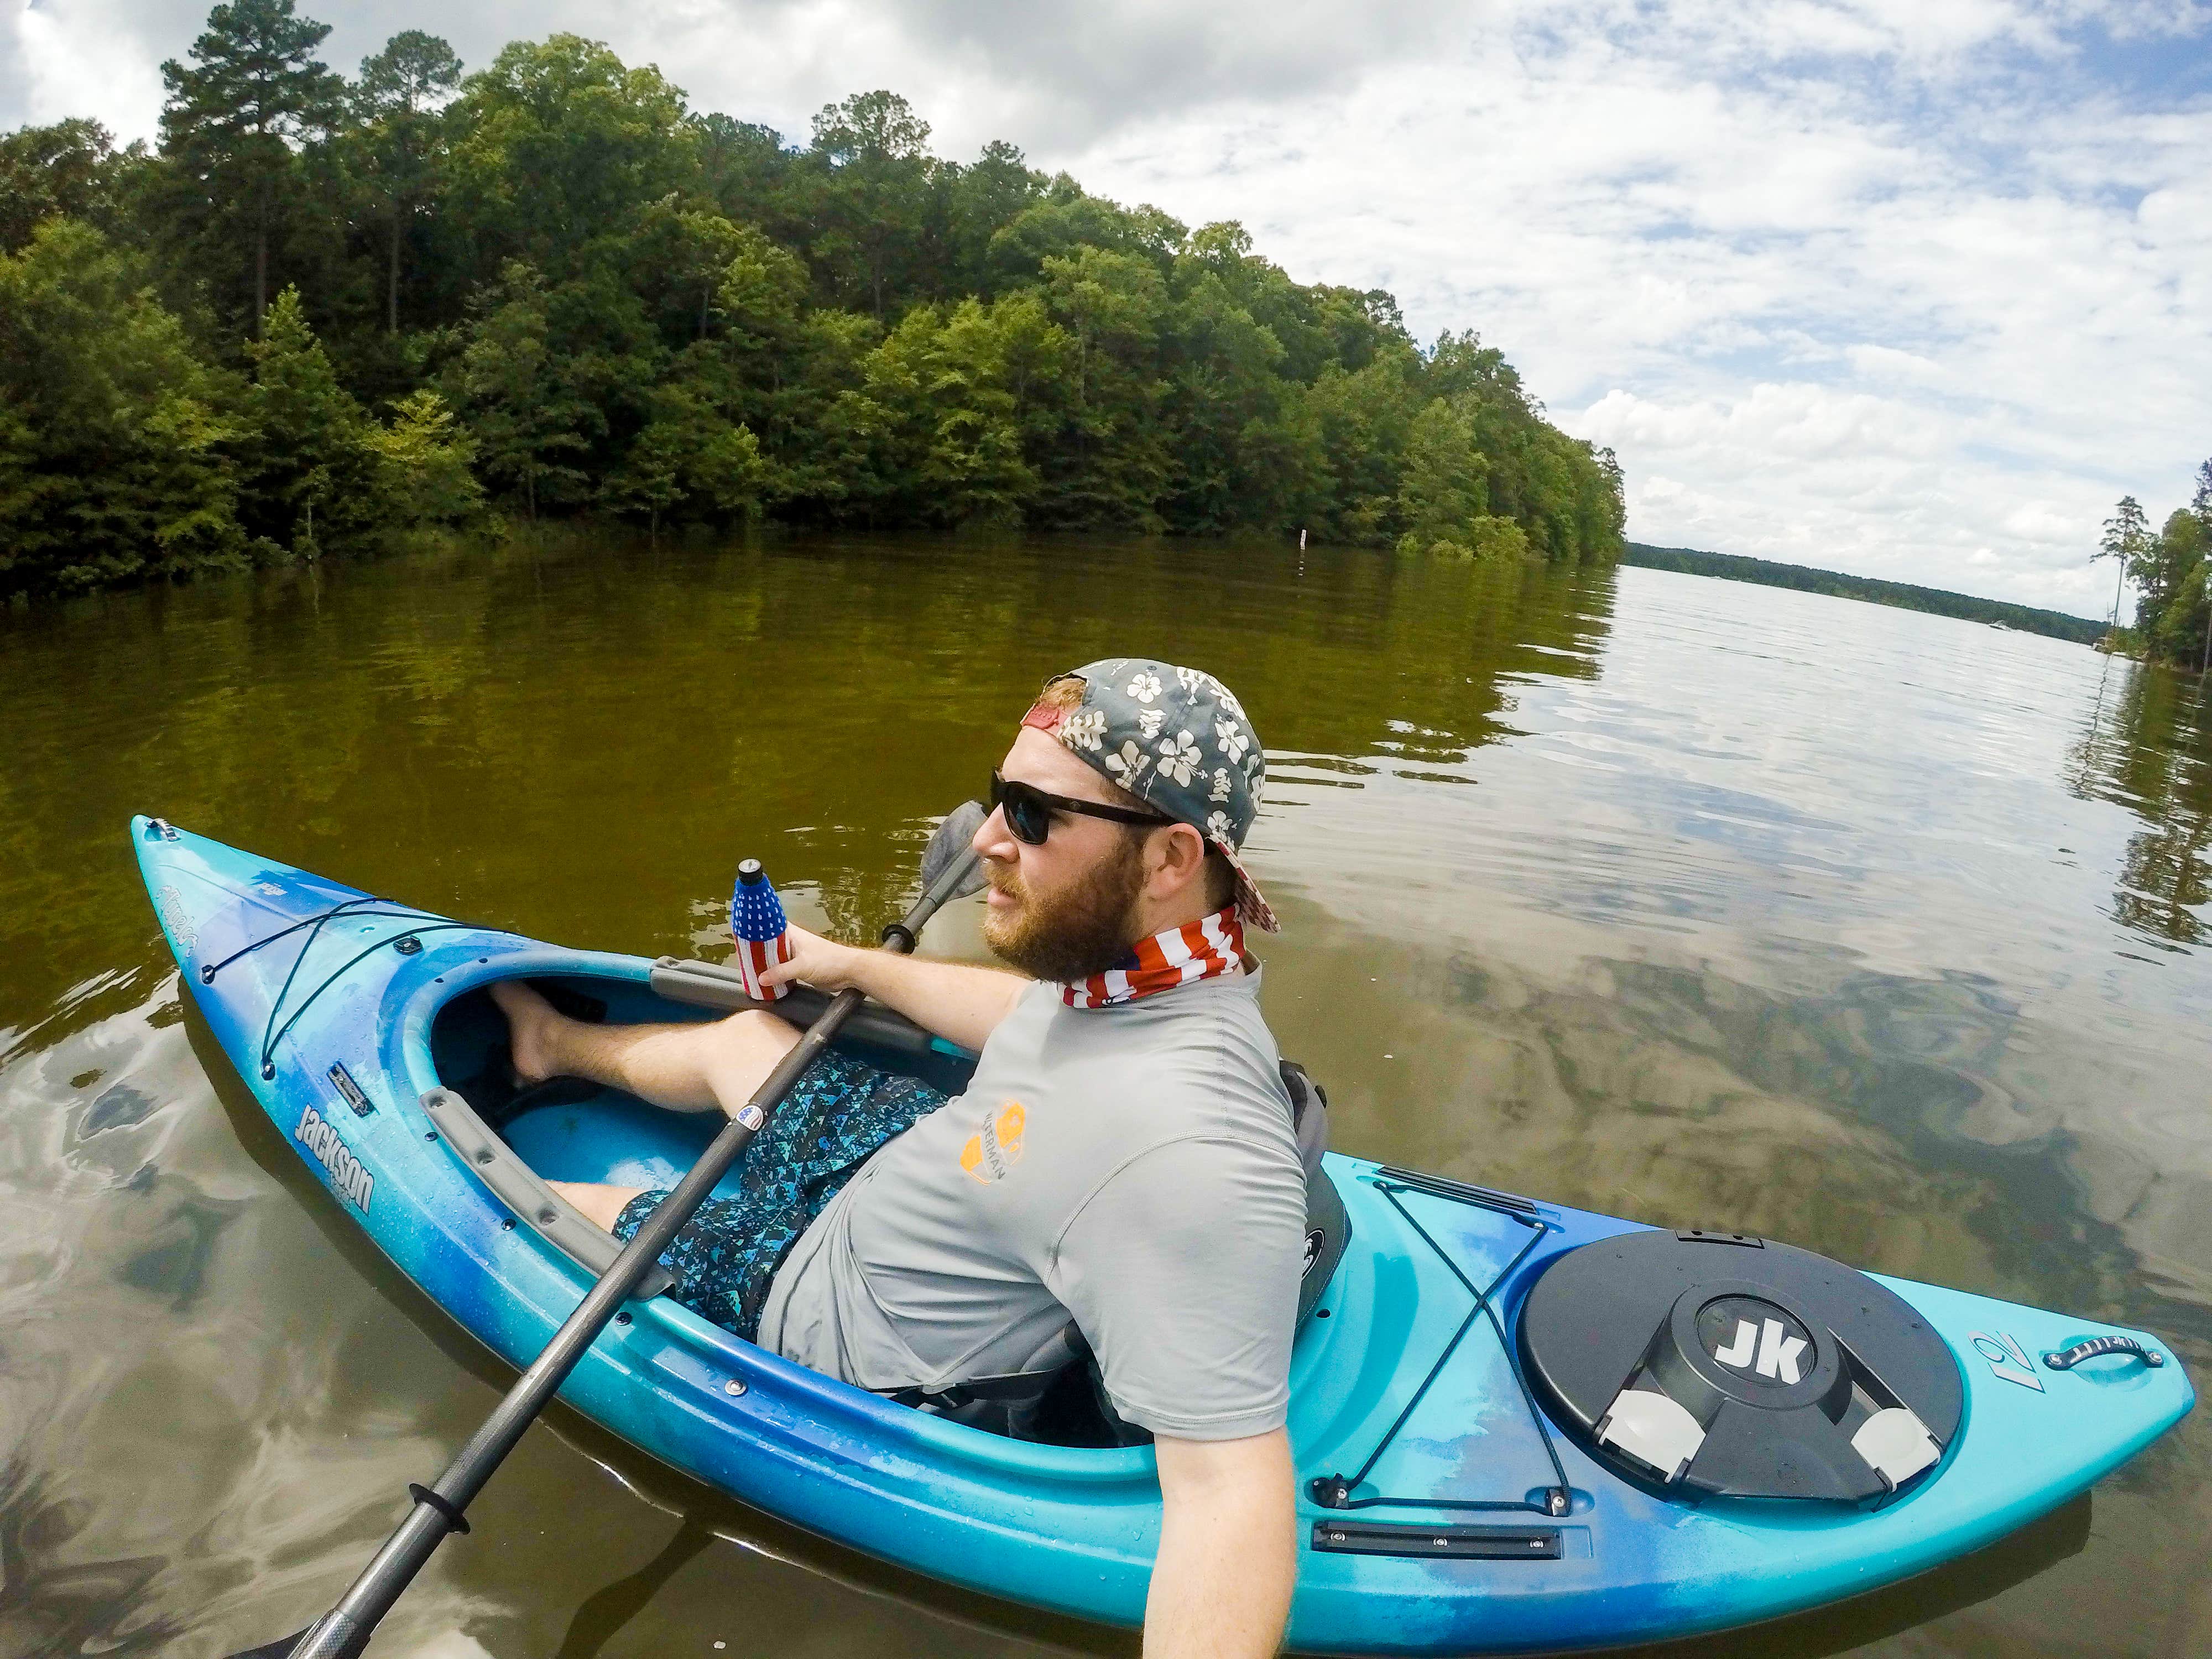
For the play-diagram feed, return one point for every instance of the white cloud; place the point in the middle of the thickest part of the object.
(1907, 289)
(89, 61)
(1825, 315)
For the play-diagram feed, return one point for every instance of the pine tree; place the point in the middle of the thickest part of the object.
(233, 120)
(2127, 539)
(311, 457)
(399, 95)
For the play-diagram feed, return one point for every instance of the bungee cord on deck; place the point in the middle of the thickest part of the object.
(351, 909)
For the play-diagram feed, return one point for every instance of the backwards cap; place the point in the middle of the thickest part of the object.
(1179, 741)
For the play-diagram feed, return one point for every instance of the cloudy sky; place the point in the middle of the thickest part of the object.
(1911, 288)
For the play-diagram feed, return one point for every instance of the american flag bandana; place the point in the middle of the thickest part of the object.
(1175, 956)
(762, 934)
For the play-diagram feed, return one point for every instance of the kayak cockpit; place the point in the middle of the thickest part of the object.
(516, 1139)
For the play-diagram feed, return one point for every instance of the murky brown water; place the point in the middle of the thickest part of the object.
(1880, 933)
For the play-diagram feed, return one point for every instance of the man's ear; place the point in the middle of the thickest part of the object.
(1182, 853)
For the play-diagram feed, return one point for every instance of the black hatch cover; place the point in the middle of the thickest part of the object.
(1718, 1365)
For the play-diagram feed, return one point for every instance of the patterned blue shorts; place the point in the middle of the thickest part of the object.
(834, 1118)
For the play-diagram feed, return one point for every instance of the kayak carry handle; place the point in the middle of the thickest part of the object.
(2065, 1359)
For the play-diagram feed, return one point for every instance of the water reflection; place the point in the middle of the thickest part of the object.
(1681, 900)
(2156, 759)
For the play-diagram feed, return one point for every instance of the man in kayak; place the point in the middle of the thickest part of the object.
(1123, 1155)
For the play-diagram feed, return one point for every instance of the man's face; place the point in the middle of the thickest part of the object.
(1064, 910)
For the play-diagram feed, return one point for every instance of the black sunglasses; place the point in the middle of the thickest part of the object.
(1029, 809)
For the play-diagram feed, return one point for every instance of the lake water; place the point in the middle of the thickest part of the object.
(1702, 903)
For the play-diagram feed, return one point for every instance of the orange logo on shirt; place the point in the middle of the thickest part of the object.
(989, 1155)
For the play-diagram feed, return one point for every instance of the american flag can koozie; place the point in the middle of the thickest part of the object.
(762, 935)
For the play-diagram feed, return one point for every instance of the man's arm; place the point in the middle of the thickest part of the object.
(1221, 1584)
(959, 1002)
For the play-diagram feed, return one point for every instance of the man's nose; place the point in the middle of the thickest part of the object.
(992, 840)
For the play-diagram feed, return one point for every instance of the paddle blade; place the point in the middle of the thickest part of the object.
(949, 844)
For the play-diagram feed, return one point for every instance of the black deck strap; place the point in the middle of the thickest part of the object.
(455, 1521)
(1335, 1491)
(1460, 1192)
(2066, 1359)
(1436, 1540)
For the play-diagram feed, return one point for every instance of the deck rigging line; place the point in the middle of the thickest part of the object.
(1335, 1491)
(351, 909)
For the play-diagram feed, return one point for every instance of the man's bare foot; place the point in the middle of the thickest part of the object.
(531, 1030)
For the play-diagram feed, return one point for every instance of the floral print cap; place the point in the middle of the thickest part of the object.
(1179, 741)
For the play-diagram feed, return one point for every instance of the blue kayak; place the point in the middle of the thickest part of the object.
(1518, 1426)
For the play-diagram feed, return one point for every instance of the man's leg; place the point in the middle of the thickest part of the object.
(686, 1068)
(602, 1205)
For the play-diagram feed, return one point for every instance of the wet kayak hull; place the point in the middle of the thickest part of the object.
(336, 1027)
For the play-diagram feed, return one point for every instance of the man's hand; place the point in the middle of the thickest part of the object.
(822, 962)
(958, 1003)
(1229, 1553)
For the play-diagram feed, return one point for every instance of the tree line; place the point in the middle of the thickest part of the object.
(319, 311)
(1908, 596)
(2172, 570)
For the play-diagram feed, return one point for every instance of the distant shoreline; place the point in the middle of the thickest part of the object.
(1735, 567)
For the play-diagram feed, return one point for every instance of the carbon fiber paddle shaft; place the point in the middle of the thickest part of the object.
(344, 1631)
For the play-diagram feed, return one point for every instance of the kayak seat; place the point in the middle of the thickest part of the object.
(1059, 1397)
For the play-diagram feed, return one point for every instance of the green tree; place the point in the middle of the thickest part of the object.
(876, 150)
(2160, 564)
(422, 464)
(65, 170)
(743, 168)
(940, 399)
(986, 196)
(2186, 631)
(2170, 573)
(115, 439)
(255, 91)
(613, 302)
(1365, 419)
(525, 416)
(1109, 464)
(691, 460)
(2127, 542)
(1445, 499)
(559, 150)
(309, 456)
(2195, 597)
(398, 102)
(687, 253)
(760, 295)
